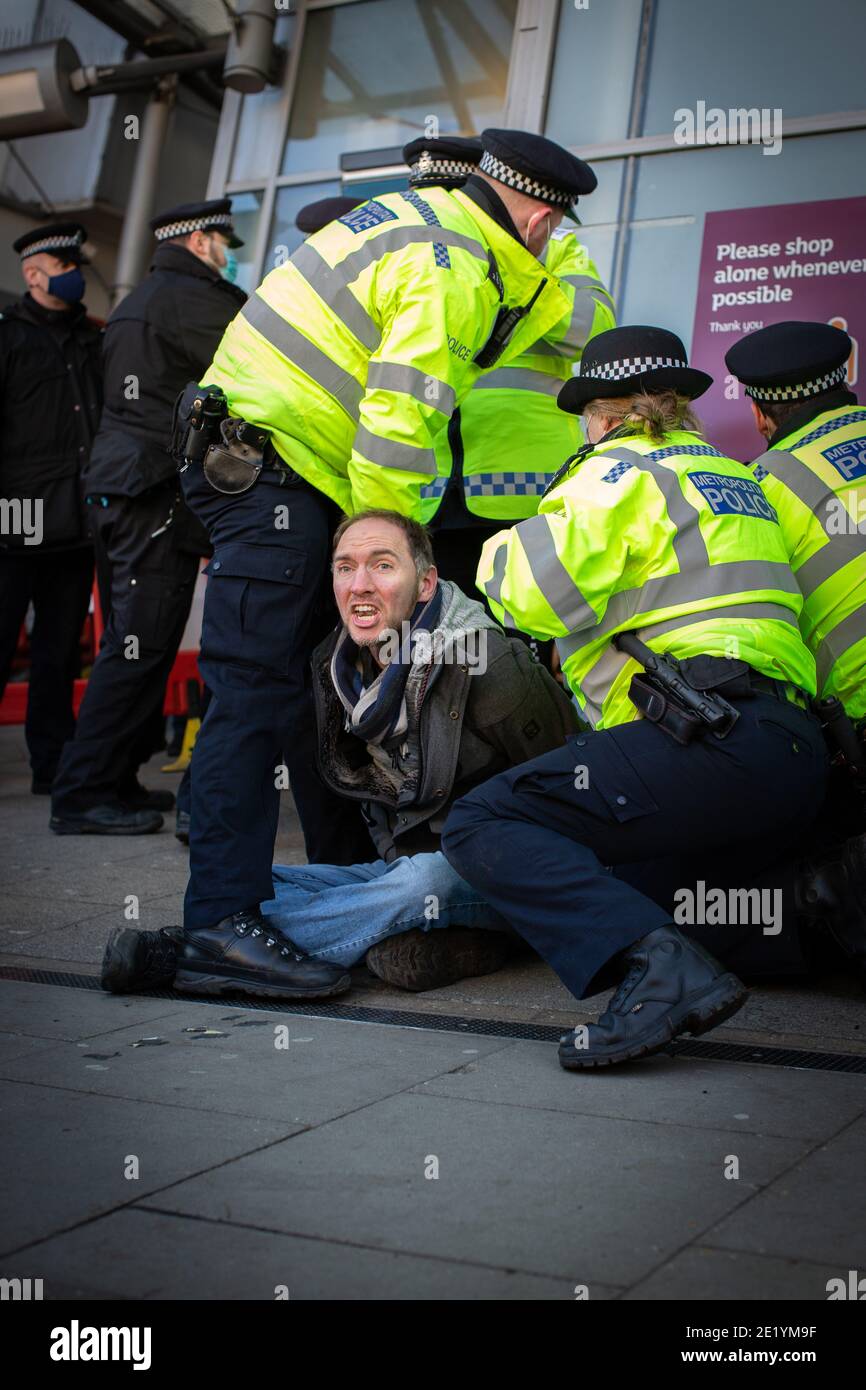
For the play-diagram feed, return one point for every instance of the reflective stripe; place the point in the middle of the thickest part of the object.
(391, 453)
(551, 576)
(787, 469)
(493, 586)
(505, 484)
(298, 349)
(519, 379)
(329, 280)
(581, 321)
(837, 642)
(838, 552)
(674, 590)
(816, 494)
(330, 285)
(600, 680)
(396, 376)
(689, 545)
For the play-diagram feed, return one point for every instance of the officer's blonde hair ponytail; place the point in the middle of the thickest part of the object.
(654, 414)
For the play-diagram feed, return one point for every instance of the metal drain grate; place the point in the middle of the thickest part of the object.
(750, 1053)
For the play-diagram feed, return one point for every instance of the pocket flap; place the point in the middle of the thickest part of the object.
(241, 560)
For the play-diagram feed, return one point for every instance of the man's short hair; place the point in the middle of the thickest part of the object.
(779, 411)
(417, 536)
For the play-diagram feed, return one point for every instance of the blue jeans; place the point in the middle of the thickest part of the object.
(338, 912)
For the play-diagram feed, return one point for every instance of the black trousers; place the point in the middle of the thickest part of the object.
(58, 585)
(265, 609)
(146, 585)
(541, 841)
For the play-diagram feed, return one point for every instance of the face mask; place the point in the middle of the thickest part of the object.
(69, 286)
(230, 270)
(584, 428)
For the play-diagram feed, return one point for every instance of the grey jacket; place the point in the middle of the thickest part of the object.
(475, 719)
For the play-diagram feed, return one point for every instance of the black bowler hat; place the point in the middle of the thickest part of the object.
(625, 360)
(537, 167)
(61, 239)
(315, 216)
(444, 162)
(790, 361)
(212, 216)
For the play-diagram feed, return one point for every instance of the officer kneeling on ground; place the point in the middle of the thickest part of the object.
(649, 541)
(420, 696)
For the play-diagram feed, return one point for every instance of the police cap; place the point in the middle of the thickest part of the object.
(314, 216)
(212, 216)
(444, 162)
(790, 361)
(61, 239)
(536, 166)
(625, 360)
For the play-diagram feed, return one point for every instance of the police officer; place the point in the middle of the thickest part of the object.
(148, 545)
(654, 532)
(50, 398)
(348, 360)
(814, 473)
(314, 216)
(508, 437)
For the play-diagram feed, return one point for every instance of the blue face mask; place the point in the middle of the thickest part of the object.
(584, 424)
(69, 286)
(230, 269)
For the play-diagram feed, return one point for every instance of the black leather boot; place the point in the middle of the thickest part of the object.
(830, 897)
(671, 986)
(136, 959)
(242, 953)
(139, 798)
(106, 820)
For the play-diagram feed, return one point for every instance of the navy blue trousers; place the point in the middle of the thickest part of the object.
(266, 594)
(582, 850)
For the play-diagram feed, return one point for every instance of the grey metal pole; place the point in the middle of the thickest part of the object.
(136, 237)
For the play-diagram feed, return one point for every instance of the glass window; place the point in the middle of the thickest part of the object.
(675, 190)
(285, 237)
(246, 211)
(372, 74)
(593, 69)
(598, 215)
(803, 57)
(259, 129)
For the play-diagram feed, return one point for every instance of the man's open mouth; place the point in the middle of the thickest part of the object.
(364, 614)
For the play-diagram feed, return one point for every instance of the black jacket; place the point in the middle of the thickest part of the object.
(162, 335)
(50, 399)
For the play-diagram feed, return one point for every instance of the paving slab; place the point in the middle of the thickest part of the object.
(83, 942)
(578, 1197)
(816, 1212)
(64, 1154)
(665, 1090)
(700, 1274)
(45, 1011)
(236, 1068)
(146, 1255)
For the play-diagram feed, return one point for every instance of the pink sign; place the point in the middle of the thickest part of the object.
(764, 265)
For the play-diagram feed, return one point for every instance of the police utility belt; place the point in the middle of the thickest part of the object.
(684, 697)
(233, 453)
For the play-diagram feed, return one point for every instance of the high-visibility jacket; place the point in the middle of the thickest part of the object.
(510, 436)
(674, 541)
(354, 353)
(816, 480)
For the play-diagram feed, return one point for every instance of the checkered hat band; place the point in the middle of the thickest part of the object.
(632, 366)
(447, 168)
(489, 164)
(52, 243)
(192, 224)
(802, 390)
